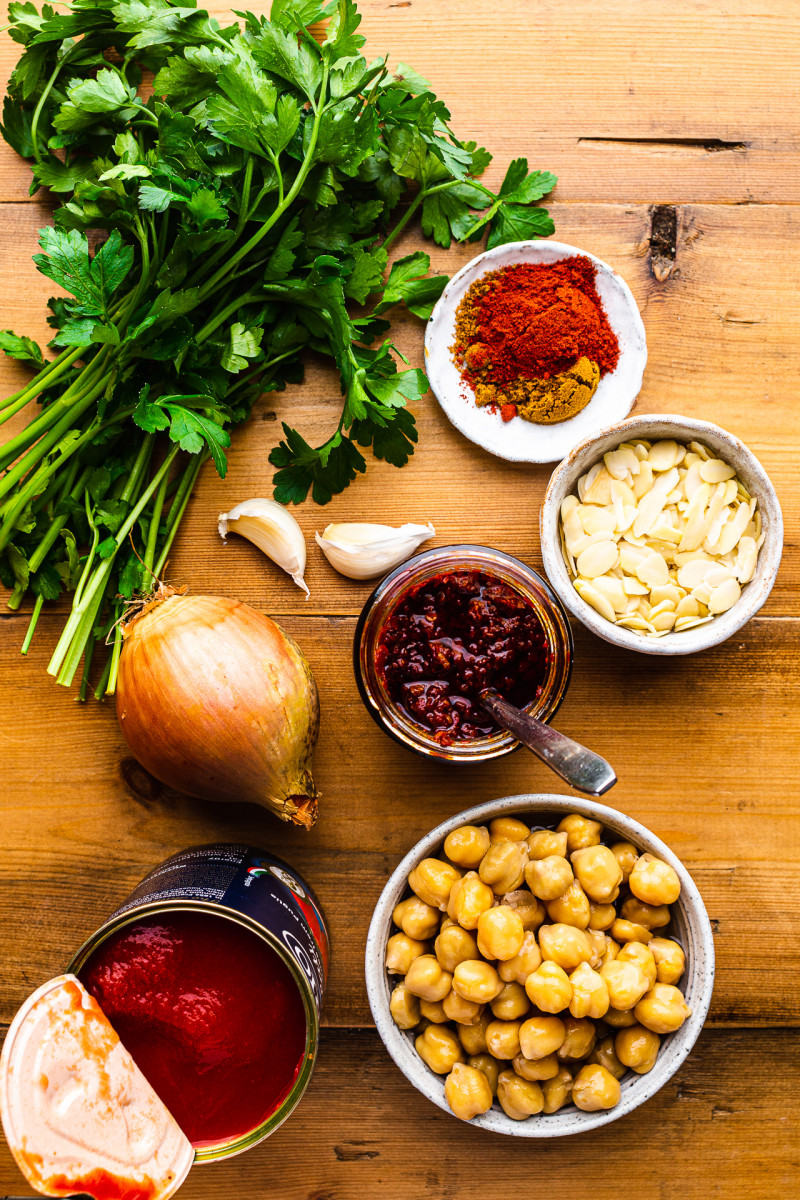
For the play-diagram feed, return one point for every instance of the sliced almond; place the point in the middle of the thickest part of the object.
(715, 471)
(597, 559)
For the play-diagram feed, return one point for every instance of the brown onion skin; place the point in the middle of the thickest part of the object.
(216, 700)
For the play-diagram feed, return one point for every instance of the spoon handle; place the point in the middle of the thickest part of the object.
(582, 769)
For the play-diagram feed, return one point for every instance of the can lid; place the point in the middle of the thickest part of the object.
(78, 1114)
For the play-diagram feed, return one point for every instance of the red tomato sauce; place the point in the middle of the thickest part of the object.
(454, 635)
(210, 1014)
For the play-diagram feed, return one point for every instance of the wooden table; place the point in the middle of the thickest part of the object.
(653, 115)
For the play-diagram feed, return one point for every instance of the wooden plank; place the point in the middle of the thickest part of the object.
(363, 1130)
(723, 335)
(650, 104)
(701, 748)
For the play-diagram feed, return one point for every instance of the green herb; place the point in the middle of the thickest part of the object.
(243, 209)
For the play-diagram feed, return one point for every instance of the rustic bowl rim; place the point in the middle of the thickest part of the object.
(754, 594)
(538, 443)
(698, 982)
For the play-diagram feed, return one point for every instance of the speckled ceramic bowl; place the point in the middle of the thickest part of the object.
(690, 926)
(564, 481)
(519, 440)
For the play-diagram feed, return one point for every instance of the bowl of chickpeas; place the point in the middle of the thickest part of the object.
(539, 965)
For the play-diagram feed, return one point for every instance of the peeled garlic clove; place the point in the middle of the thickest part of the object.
(274, 530)
(361, 550)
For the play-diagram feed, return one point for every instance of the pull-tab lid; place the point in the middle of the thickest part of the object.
(78, 1114)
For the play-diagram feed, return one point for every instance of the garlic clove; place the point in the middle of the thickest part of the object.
(274, 530)
(361, 550)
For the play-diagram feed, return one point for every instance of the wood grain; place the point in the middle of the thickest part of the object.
(77, 838)
(363, 1130)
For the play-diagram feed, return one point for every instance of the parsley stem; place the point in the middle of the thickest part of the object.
(67, 654)
(37, 610)
(113, 662)
(48, 87)
(43, 379)
(178, 507)
(300, 178)
(155, 520)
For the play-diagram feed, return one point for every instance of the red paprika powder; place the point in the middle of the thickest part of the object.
(520, 332)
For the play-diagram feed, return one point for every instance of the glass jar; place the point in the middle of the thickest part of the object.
(446, 560)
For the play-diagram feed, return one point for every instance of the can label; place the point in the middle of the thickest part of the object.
(255, 884)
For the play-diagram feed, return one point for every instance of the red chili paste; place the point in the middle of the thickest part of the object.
(454, 635)
(210, 1014)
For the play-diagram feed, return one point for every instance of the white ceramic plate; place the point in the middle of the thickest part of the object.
(690, 925)
(519, 440)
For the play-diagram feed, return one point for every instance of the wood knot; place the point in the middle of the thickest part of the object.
(140, 783)
(663, 240)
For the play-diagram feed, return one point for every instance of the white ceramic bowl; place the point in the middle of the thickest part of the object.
(519, 440)
(564, 481)
(690, 926)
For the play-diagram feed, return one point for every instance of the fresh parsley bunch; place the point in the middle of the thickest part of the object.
(240, 211)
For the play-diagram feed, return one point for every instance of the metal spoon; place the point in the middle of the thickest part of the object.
(582, 769)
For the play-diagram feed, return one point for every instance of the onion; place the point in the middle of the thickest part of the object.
(214, 699)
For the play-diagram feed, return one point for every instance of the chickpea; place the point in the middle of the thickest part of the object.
(544, 843)
(467, 1091)
(626, 855)
(463, 1012)
(433, 1011)
(503, 866)
(565, 945)
(500, 933)
(549, 988)
(502, 1039)
(598, 944)
(652, 916)
(476, 980)
(601, 916)
(611, 951)
(642, 955)
(572, 908)
(618, 1019)
(529, 910)
(589, 993)
(508, 829)
(404, 1007)
(557, 1090)
(469, 897)
(663, 1009)
(580, 831)
(416, 918)
(401, 950)
(637, 1048)
(432, 881)
(439, 1048)
(511, 1003)
(580, 1039)
(629, 931)
(473, 1037)
(606, 1056)
(653, 881)
(597, 871)
(491, 1068)
(595, 1088)
(536, 1069)
(669, 959)
(626, 982)
(518, 968)
(467, 845)
(539, 1036)
(519, 1098)
(453, 946)
(426, 979)
(548, 878)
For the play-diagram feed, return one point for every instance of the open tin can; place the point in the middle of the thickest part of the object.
(259, 892)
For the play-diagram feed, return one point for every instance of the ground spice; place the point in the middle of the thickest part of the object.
(534, 339)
